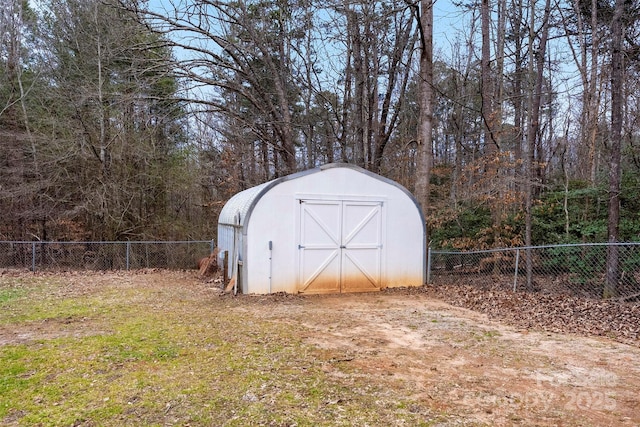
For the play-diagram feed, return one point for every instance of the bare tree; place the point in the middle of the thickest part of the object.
(537, 59)
(582, 28)
(114, 123)
(487, 94)
(21, 179)
(381, 40)
(241, 49)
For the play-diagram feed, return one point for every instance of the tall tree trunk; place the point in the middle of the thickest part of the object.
(534, 124)
(491, 148)
(593, 106)
(613, 265)
(487, 87)
(518, 75)
(345, 134)
(425, 125)
(500, 95)
(359, 99)
(586, 61)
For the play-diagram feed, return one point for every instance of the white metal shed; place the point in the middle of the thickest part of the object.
(335, 228)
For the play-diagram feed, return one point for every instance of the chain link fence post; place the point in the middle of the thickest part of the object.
(33, 257)
(515, 274)
(428, 265)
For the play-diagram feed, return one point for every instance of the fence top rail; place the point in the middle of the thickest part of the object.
(565, 245)
(117, 242)
(432, 251)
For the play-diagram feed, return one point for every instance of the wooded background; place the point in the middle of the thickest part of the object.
(134, 120)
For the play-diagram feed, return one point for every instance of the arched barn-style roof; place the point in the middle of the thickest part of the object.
(335, 228)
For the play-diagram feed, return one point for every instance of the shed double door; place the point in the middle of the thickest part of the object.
(341, 246)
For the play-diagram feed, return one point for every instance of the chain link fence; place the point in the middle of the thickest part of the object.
(578, 270)
(37, 256)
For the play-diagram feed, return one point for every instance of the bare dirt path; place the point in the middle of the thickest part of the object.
(458, 361)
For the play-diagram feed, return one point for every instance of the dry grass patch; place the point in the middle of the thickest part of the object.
(162, 349)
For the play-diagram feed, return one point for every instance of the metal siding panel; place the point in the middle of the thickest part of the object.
(240, 203)
(225, 243)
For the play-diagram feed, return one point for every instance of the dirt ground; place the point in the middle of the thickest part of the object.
(458, 361)
(448, 359)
